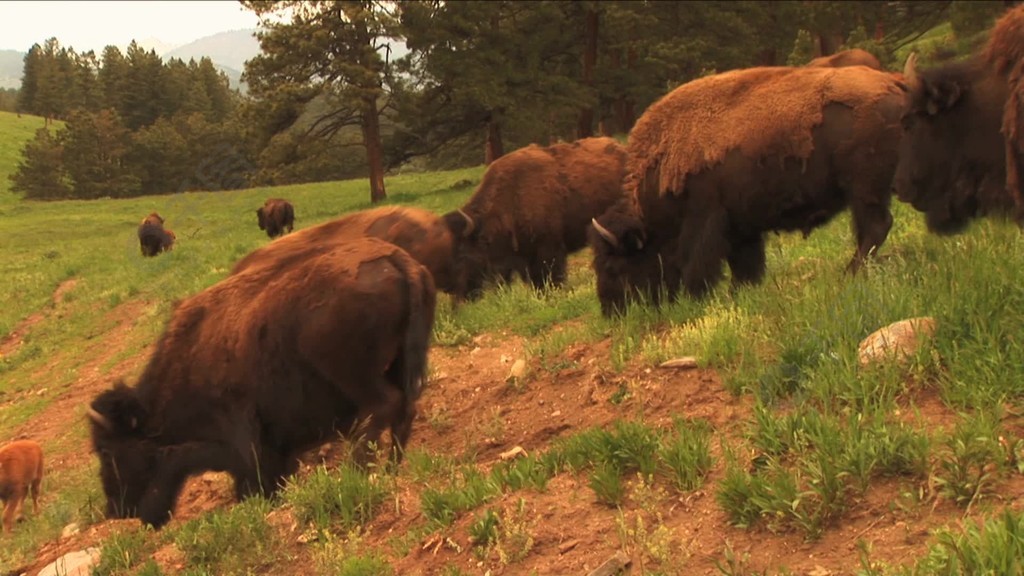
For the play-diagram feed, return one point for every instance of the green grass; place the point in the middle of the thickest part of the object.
(824, 429)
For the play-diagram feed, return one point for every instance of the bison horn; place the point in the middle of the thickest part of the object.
(910, 71)
(470, 225)
(604, 232)
(99, 419)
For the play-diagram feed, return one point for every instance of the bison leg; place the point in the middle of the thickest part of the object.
(747, 260)
(14, 498)
(386, 411)
(547, 266)
(871, 223)
(706, 245)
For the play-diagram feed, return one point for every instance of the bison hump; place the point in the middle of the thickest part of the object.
(763, 112)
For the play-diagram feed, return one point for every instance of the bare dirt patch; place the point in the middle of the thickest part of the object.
(472, 408)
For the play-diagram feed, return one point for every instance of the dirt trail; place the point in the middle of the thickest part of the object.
(10, 343)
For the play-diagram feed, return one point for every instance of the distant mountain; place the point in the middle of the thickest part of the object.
(12, 63)
(226, 49)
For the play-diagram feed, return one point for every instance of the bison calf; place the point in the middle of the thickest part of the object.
(277, 216)
(261, 367)
(21, 472)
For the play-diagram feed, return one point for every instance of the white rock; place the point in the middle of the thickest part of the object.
(73, 564)
(898, 340)
(685, 363)
(69, 530)
(517, 370)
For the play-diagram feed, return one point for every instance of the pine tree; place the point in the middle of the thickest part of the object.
(95, 149)
(40, 174)
(803, 49)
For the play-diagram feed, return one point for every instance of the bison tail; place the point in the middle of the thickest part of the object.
(422, 300)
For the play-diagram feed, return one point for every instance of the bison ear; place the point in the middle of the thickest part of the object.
(941, 96)
(633, 240)
(459, 223)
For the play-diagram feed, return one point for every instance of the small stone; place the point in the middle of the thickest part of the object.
(73, 563)
(684, 363)
(69, 531)
(518, 369)
(556, 413)
(898, 340)
(512, 453)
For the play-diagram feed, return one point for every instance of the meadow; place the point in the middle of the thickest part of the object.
(779, 454)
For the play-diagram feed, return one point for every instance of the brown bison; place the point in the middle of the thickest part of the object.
(264, 365)
(277, 216)
(153, 237)
(852, 57)
(721, 160)
(21, 473)
(419, 232)
(532, 210)
(962, 150)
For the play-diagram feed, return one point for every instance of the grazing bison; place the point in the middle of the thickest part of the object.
(533, 208)
(277, 217)
(21, 473)
(153, 237)
(852, 57)
(264, 365)
(419, 232)
(721, 160)
(961, 152)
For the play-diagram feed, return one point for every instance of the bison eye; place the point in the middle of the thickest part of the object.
(908, 120)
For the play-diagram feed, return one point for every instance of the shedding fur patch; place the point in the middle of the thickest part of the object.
(764, 112)
(1004, 54)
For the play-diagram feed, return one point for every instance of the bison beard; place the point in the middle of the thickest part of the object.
(263, 366)
(777, 149)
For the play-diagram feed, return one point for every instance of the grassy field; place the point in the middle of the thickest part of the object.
(822, 431)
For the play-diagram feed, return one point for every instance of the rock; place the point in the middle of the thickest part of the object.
(73, 564)
(69, 531)
(684, 363)
(512, 453)
(898, 340)
(517, 370)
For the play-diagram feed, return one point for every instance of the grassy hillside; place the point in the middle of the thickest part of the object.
(15, 131)
(779, 453)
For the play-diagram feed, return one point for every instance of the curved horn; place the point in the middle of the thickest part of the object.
(604, 232)
(910, 71)
(99, 419)
(470, 225)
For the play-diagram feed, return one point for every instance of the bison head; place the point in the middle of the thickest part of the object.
(470, 254)
(952, 161)
(261, 219)
(128, 459)
(626, 264)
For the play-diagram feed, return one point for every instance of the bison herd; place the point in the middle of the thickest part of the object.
(325, 331)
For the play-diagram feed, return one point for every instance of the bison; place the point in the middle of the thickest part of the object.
(419, 232)
(721, 160)
(153, 237)
(961, 149)
(264, 365)
(852, 57)
(21, 473)
(277, 216)
(532, 210)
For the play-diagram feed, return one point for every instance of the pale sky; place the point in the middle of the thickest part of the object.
(88, 26)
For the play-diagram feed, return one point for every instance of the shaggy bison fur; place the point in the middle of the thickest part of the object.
(153, 237)
(961, 152)
(419, 232)
(21, 474)
(264, 365)
(532, 210)
(852, 57)
(721, 160)
(276, 216)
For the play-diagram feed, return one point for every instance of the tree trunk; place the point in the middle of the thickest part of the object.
(828, 44)
(493, 149)
(585, 127)
(374, 153)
